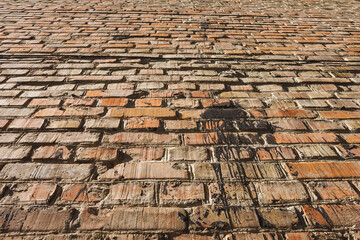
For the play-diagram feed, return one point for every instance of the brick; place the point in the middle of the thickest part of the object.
(64, 124)
(16, 112)
(136, 218)
(325, 125)
(181, 193)
(79, 102)
(142, 123)
(193, 237)
(279, 153)
(302, 138)
(184, 103)
(262, 171)
(144, 153)
(322, 170)
(187, 153)
(3, 123)
(281, 192)
(279, 113)
(44, 102)
(349, 151)
(211, 218)
(142, 112)
(316, 151)
(210, 170)
(351, 138)
(110, 93)
(30, 123)
(332, 215)
(174, 125)
(342, 103)
(69, 112)
(333, 191)
(154, 170)
(39, 193)
(150, 85)
(131, 193)
(84, 154)
(48, 219)
(114, 102)
(9, 137)
(215, 138)
(103, 123)
(252, 236)
(233, 193)
(278, 218)
(63, 138)
(142, 138)
(16, 222)
(51, 152)
(313, 236)
(339, 114)
(36, 79)
(353, 124)
(34, 171)
(227, 153)
(14, 153)
(13, 101)
(82, 193)
(88, 78)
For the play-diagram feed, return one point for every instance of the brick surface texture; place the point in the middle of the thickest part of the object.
(176, 120)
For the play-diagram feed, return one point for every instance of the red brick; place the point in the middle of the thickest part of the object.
(313, 236)
(333, 190)
(281, 192)
(142, 112)
(332, 215)
(39, 193)
(153, 170)
(135, 218)
(148, 102)
(339, 114)
(351, 137)
(279, 153)
(114, 102)
(48, 219)
(142, 123)
(142, 138)
(44, 102)
(85, 154)
(321, 170)
(181, 193)
(131, 193)
(51, 152)
(30, 123)
(300, 138)
(82, 193)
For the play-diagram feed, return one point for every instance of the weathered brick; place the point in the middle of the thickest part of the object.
(301, 138)
(131, 193)
(51, 152)
(142, 138)
(181, 193)
(69, 112)
(14, 153)
(262, 170)
(39, 193)
(215, 138)
(174, 125)
(142, 123)
(144, 153)
(233, 193)
(3, 123)
(351, 137)
(16, 112)
(325, 125)
(84, 154)
(44, 102)
(278, 218)
(63, 138)
(153, 170)
(135, 218)
(313, 236)
(83, 193)
(210, 170)
(187, 153)
(332, 215)
(34, 171)
(316, 151)
(252, 236)
(322, 170)
(279, 153)
(64, 124)
(142, 112)
(27, 123)
(281, 192)
(9, 137)
(103, 123)
(333, 190)
(79, 102)
(339, 114)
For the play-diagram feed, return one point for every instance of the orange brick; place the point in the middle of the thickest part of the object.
(142, 112)
(339, 114)
(301, 138)
(82, 193)
(114, 102)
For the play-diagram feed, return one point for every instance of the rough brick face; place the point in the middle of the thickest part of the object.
(203, 120)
